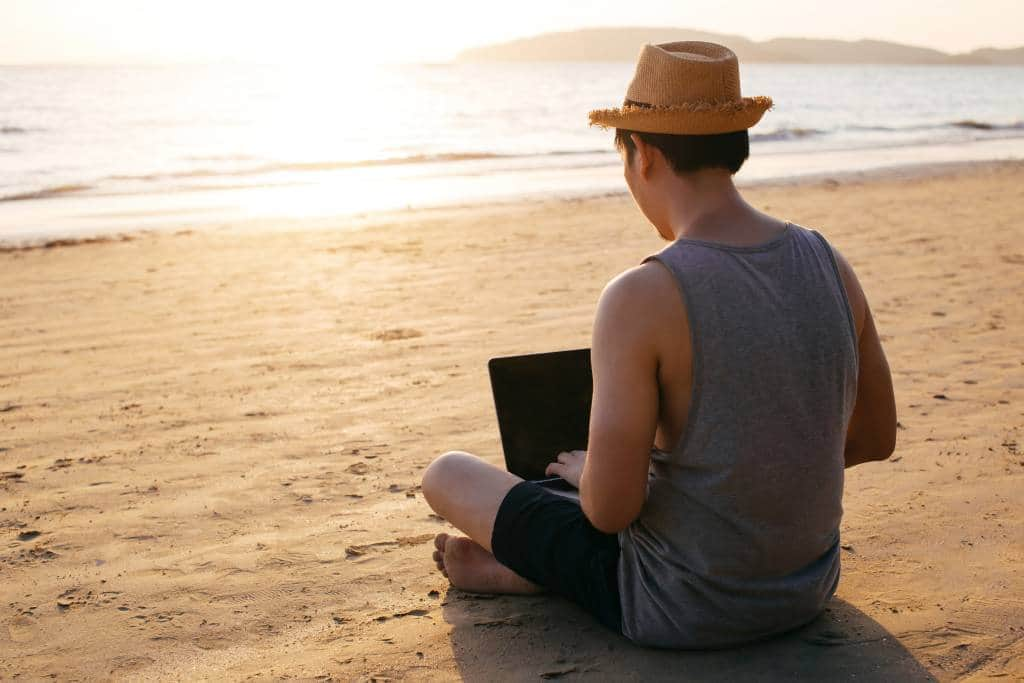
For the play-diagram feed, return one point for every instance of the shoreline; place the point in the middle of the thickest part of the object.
(365, 220)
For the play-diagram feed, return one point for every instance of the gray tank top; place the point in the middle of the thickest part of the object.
(738, 538)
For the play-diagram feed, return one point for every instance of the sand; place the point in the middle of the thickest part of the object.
(210, 442)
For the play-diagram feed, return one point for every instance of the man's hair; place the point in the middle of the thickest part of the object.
(686, 153)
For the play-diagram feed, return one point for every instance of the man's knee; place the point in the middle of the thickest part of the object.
(442, 474)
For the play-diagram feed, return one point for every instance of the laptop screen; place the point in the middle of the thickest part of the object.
(542, 402)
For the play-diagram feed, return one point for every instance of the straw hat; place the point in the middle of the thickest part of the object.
(685, 88)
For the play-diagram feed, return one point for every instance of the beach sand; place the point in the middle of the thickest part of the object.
(210, 442)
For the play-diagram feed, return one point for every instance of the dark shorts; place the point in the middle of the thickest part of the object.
(546, 538)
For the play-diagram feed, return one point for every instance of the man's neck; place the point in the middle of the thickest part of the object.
(706, 205)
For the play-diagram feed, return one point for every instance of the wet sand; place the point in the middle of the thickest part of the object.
(210, 442)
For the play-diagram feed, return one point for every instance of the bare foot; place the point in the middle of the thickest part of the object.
(471, 568)
(439, 542)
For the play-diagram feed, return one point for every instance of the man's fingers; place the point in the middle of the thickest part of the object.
(554, 470)
(562, 457)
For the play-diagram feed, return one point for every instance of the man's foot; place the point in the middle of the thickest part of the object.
(471, 568)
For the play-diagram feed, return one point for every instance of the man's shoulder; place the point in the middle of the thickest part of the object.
(640, 296)
(637, 284)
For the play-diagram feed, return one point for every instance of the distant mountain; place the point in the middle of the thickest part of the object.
(992, 55)
(623, 44)
(859, 52)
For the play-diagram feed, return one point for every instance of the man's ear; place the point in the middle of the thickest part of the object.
(644, 155)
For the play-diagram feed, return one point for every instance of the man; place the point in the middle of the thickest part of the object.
(736, 374)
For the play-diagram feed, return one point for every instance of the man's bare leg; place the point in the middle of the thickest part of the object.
(466, 491)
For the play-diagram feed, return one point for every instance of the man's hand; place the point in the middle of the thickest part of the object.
(569, 466)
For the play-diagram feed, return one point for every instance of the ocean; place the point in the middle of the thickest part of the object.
(99, 149)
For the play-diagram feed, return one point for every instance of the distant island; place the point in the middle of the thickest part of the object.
(623, 44)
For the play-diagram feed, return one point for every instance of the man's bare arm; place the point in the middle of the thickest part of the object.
(871, 434)
(624, 413)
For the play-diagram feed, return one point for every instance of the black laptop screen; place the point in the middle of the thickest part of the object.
(543, 405)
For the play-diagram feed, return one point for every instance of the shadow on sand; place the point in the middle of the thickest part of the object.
(536, 638)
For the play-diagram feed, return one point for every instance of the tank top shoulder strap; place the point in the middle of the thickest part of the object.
(826, 252)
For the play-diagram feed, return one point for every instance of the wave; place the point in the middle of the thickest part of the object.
(984, 125)
(221, 157)
(569, 152)
(301, 166)
(224, 166)
(277, 167)
(962, 123)
(46, 192)
(786, 134)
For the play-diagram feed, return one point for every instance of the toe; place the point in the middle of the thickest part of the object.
(440, 540)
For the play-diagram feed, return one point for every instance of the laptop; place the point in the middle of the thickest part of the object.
(542, 401)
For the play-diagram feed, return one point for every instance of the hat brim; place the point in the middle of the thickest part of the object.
(699, 118)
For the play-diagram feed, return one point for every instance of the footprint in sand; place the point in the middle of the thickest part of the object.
(417, 612)
(358, 468)
(130, 662)
(395, 334)
(559, 671)
(400, 542)
(22, 628)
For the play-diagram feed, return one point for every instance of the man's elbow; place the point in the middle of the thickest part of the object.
(880, 446)
(609, 525)
(609, 519)
(888, 445)
(880, 452)
(886, 441)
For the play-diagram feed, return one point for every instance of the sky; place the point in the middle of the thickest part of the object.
(375, 31)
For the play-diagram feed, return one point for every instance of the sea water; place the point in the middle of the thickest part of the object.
(91, 149)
